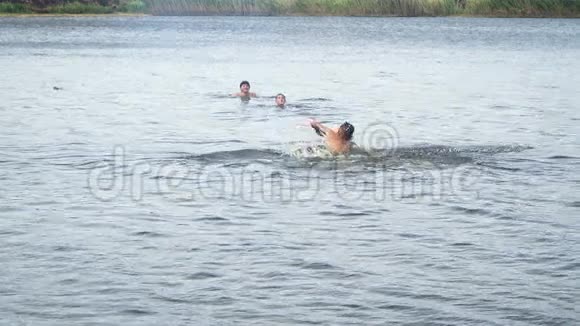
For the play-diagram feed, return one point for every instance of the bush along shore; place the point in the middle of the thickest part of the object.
(72, 6)
(410, 8)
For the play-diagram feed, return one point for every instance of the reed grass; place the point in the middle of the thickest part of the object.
(523, 8)
(79, 8)
(134, 6)
(305, 7)
(509, 8)
(493, 8)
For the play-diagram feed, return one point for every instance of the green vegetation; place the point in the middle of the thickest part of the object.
(13, 8)
(523, 8)
(79, 8)
(72, 6)
(135, 6)
(305, 7)
(502, 8)
(493, 8)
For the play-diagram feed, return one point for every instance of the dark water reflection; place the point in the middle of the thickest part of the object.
(135, 191)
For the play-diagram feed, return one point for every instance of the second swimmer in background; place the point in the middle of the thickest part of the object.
(280, 100)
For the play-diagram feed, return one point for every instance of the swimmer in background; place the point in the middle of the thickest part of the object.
(245, 93)
(338, 140)
(280, 100)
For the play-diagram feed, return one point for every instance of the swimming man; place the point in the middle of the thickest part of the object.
(338, 140)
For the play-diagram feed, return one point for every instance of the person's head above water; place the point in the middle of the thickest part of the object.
(346, 130)
(280, 100)
(245, 86)
(245, 93)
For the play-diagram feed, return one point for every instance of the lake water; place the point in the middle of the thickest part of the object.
(134, 191)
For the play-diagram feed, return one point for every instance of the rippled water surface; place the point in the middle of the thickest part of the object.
(134, 191)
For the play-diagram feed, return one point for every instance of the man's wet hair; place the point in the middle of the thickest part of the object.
(347, 130)
(245, 82)
(280, 94)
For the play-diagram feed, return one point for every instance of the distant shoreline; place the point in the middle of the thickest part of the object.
(115, 14)
(297, 8)
(5, 15)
